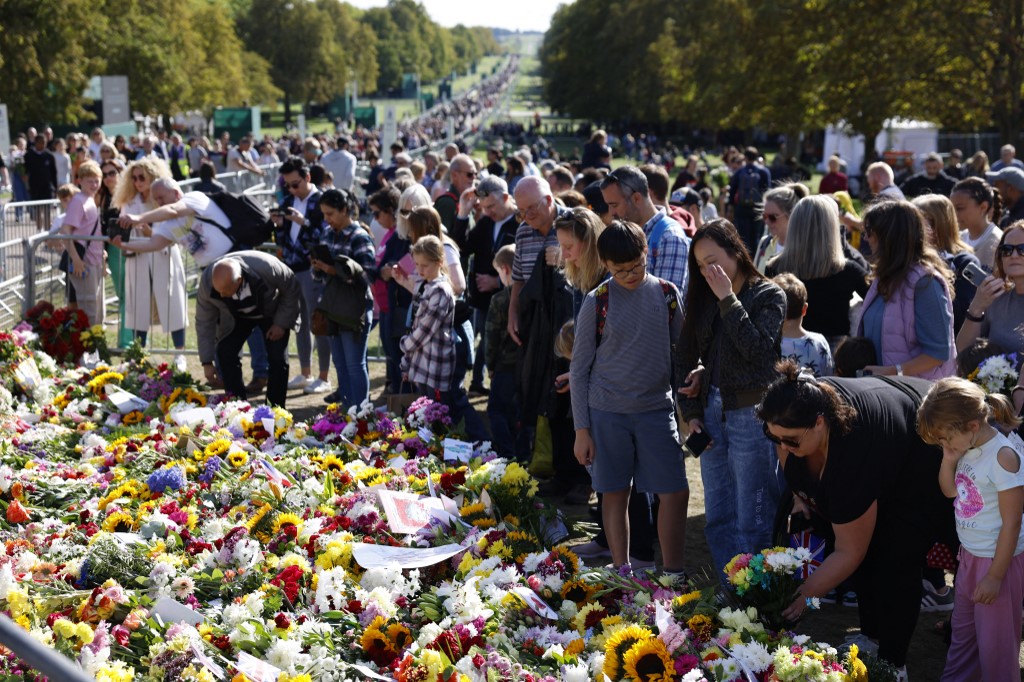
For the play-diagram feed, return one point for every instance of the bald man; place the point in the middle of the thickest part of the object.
(463, 175)
(237, 294)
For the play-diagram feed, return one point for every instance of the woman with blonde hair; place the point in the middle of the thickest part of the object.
(944, 235)
(412, 197)
(577, 231)
(151, 280)
(814, 255)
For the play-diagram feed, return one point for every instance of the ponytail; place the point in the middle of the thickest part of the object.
(1000, 409)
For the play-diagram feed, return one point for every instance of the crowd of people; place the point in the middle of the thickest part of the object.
(608, 315)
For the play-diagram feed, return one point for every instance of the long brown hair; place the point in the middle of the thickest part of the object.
(939, 212)
(953, 403)
(699, 296)
(900, 229)
(585, 226)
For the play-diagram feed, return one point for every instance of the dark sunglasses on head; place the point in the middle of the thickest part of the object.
(1006, 250)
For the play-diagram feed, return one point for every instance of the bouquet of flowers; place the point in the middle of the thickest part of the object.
(996, 374)
(768, 581)
(59, 329)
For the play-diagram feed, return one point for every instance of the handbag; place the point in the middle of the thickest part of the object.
(320, 324)
(65, 260)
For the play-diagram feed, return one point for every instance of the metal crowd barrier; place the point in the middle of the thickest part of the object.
(51, 663)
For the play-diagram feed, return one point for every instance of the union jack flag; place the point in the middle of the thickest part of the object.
(814, 544)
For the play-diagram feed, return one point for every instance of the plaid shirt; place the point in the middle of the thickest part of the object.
(430, 347)
(355, 243)
(673, 251)
(294, 252)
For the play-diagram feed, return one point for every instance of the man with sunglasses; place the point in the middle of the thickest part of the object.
(627, 194)
(298, 226)
(463, 174)
(495, 228)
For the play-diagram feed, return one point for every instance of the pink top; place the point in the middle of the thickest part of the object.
(83, 217)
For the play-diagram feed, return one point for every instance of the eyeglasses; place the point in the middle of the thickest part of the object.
(637, 269)
(1006, 250)
(771, 217)
(110, 174)
(294, 185)
(405, 212)
(523, 213)
(783, 440)
(468, 173)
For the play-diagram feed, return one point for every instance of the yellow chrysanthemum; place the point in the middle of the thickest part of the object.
(617, 646)
(858, 672)
(649, 661)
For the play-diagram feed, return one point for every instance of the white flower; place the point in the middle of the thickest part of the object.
(287, 655)
(754, 655)
(7, 580)
(574, 673)
(694, 675)
(183, 586)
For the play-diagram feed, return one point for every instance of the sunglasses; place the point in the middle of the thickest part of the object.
(293, 185)
(405, 212)
(138, 178)
(1006, 250)
(110, 174)
(784, 441)
(772, 217)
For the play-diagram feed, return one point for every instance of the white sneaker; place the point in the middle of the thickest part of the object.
(298, 382)
(901, 675)
(318, 386)
(180, 364)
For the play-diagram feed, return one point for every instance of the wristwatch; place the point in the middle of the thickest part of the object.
(899, 369)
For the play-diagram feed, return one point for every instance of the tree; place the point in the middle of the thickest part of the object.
(358, 43)
(48, 53)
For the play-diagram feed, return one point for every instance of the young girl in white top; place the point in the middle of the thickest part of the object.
(981, 471)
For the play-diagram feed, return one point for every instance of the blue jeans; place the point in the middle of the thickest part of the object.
(463, 353)
(392, 352)
(742, 482)
(259, 361)
(503, 413)
(348, 350)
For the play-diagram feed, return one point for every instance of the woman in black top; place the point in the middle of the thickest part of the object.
(853, 459)
(814, 254)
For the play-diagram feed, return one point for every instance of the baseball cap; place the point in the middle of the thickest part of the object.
(595, 199)
(684, 196)
(492, 184)
(1010, 174)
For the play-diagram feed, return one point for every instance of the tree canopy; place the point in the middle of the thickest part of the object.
(199, 54)
(788, 65)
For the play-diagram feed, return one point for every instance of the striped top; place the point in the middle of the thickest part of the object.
(631, 371)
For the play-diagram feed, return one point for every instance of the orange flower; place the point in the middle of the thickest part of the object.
(16, 513)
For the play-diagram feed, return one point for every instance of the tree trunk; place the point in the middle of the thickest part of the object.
(287, 107)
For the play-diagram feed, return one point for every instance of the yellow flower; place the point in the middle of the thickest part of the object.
(97, 383)
(858, 671)
(283, 520)
(132, 418)
(399, 635)
(577, 591)
(238, 459)
(373, 640)
(684, 599)
(649, 661)
(617, 646)
(702, 627)
(214, 449)
(118, 522)
(575, 647)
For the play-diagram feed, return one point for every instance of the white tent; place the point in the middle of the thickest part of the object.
(917, 137)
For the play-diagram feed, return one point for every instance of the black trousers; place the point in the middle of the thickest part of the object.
(230, 363)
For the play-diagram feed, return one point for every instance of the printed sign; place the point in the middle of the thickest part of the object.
(381, 556)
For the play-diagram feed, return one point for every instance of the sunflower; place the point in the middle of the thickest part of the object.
(399, 635)
(617, 646)
(567, 557)
(684, 599)
(132, 418)
(649, 661)
(238, 459)
(97, 384)
(260, 514)
(168, 400)
(374, 641)
(332, 463)
(577, 591)
(119, 522)
(702, 627)
(286, 519)
(214, 449)
(484, 522)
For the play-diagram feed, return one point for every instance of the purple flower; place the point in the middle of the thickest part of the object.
(213, 465)
(162, 479)
(261, 413)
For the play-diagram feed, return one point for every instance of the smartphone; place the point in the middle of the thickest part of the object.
(277, 210)
(321, 253)
(561, 383)
(864, 373)
(698, 442)
(975, 274)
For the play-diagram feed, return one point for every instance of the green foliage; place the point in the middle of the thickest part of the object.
(788, 65)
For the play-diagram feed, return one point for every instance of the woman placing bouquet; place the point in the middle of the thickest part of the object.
(852, 457)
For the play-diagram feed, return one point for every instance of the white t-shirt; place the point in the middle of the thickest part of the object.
(63, 168)
(979, 478)
(342, 165)
(234, 160)
(204, 241)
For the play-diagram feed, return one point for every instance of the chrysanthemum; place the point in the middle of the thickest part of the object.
(649, 661)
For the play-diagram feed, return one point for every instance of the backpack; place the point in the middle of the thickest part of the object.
(748, 191)
(601, 307)
(250, 223)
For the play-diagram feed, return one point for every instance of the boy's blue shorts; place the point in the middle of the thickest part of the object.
(640, 448)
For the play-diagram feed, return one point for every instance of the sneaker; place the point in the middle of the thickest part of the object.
(850, 599)
(864, 643)
(831, 598)
(591, 550)
(299, 381)
(932, 601)
(318, 386)
(901, 675)
(180, 364)
(640, 564)
(332, 397)
(256, 386)
(580, 494)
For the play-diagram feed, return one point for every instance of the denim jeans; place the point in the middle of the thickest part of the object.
(258, 359)
(304, 338)
(742, 482)
(463, 353)
(348, 349)
(503, 413)
(392, 352)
